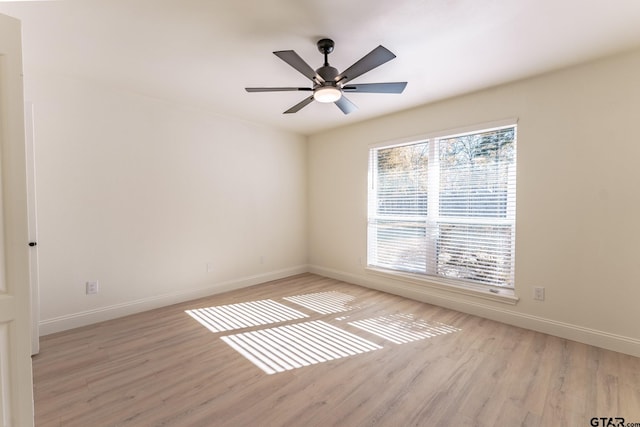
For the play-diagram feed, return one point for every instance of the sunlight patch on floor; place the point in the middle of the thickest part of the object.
(403, 328)
(294, 346)
(324, 302)
(244, 315)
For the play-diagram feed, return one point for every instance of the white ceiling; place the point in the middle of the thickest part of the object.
(203, 53)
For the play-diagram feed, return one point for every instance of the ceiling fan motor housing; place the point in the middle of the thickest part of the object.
(328, 74)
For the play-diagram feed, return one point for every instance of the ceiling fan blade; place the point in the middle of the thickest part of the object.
(345, 105)
(396, 87)
(293, 59)
(277, 89)
(300, 105)
(371, 60)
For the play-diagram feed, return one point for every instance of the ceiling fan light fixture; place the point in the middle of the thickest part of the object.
(327, 94)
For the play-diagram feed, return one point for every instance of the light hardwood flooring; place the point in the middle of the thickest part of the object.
(164, 368)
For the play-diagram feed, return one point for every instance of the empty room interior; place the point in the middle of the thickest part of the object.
(454, 242)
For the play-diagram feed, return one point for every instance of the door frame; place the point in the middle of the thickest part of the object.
(32, 207)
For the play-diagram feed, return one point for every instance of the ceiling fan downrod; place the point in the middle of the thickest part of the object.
(325, 46)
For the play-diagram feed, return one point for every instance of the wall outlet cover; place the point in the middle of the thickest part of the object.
(92, 287)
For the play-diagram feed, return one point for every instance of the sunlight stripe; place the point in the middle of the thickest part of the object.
(403, 328)
(244, 315)
(324, 302)
(294, 346)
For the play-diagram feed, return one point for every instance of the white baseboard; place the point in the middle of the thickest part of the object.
(569, 331)
(75, 320)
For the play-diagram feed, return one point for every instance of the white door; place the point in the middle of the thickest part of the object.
(16, 384)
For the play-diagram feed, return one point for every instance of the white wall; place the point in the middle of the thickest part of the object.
(140, 195)
(578, 199)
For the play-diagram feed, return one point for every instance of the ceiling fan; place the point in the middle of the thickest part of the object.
(328, 84)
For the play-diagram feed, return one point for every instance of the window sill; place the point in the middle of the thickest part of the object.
(506, 296)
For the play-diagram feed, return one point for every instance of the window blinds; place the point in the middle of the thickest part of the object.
(397, 227)
(446, 207)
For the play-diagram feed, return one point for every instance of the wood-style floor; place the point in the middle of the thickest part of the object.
(166, 368)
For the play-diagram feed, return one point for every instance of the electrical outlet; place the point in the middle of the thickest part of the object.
(210, 267)
(91, 288)
(261, 259)
(538, 294)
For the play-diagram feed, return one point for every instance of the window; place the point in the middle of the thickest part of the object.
(445, 207)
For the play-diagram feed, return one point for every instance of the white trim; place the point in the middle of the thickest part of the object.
(479, 308)
(83, 318)
(32, 212)
(507, 296)
(432, 295)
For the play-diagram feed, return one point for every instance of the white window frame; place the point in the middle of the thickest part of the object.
(428, 279)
